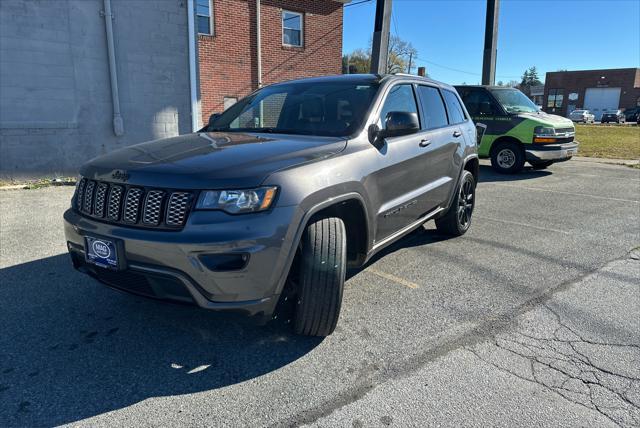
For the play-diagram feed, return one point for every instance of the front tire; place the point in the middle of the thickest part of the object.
(322, 273)
(507, 158)
(457, 219)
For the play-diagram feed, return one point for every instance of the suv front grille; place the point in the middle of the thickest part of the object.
(133, 205)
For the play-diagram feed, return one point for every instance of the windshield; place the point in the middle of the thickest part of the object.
(514, 101)
(306, 108)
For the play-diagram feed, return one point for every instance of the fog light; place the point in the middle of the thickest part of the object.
(224, 262)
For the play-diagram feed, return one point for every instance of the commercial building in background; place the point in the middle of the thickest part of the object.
(298, 38)
(68, 97)
(595, 90)
(75, 84)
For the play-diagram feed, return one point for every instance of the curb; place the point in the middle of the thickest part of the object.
(628, 162)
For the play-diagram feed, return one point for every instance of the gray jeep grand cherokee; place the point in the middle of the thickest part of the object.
(290, 186)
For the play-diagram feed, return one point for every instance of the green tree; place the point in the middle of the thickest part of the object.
(529, 78)
(400, 52)
(358, 61)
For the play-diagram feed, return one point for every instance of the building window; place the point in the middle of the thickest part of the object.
(555, 98)
(291, 28)
(204, 16)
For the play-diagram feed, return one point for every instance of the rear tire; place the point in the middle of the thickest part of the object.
(541, 165)
(507, 158)
(457, 219)
(322, 272)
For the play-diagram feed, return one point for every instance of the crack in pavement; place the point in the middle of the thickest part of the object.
(489, 328)
(563, 366)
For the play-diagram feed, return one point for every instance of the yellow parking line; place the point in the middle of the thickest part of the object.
(393, 278)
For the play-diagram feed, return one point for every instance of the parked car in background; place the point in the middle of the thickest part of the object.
(278, 195)
(612, 116)
(517, 131)
(584, 116)
(632, 114)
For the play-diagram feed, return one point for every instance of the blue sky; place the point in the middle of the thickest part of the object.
(550, 34)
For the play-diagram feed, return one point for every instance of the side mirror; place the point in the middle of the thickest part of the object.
(213, 118)
(399, 123)
(481, 128)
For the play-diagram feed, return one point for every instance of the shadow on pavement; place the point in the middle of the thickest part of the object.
(71, 348)
(488, 175)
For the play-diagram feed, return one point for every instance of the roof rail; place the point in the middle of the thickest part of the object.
(405, 74)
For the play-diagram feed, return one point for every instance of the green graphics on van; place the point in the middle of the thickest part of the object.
(517, 131)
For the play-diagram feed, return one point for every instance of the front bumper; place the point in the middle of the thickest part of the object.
(167, 264)
(551, 152)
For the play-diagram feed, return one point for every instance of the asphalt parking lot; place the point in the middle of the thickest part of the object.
(529, 319)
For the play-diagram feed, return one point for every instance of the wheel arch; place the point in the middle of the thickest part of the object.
(351, 210)
(505, 139)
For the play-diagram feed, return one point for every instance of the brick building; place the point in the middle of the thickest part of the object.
(595, 90)
(298, 38)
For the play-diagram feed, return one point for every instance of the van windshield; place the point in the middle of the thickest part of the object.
(306, 108)
(514, 101)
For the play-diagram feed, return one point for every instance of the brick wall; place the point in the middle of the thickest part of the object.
(628, 79)
(228, 65)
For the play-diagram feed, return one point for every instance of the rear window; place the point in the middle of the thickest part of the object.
(435, 115)
(456, 112)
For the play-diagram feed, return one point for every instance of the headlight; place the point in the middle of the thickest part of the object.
(237, 201)
(542, 130)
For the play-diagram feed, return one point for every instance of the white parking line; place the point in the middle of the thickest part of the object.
(564, 171)
(393, 278)
(546, 229)
(585, 195)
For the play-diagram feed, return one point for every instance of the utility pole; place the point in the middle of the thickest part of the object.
(490, 43)
(409, 66)
(380, 49)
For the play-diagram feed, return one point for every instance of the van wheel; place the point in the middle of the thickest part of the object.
(507, 158)
(541, 165)
(458, 217)
(322, 272)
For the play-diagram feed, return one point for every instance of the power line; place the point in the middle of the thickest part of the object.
(357, 3)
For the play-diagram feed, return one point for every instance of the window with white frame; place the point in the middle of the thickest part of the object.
(204, 16)
(292, 23)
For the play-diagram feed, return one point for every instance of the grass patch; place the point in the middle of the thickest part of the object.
(613, 142)
(39, 183)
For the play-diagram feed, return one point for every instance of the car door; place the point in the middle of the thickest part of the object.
(401, 174)
(484, 109)
(444, 135)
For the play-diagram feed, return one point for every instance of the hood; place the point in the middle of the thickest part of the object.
(550, 120)
(210, 159)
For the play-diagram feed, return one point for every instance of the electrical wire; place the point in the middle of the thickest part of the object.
(357, 3)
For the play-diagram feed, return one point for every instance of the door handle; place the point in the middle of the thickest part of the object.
(456, 134)
(424, 142)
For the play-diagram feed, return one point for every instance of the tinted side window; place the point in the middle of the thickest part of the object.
(479, 103)
(434, 114)
(399, 98)
(456, 112)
